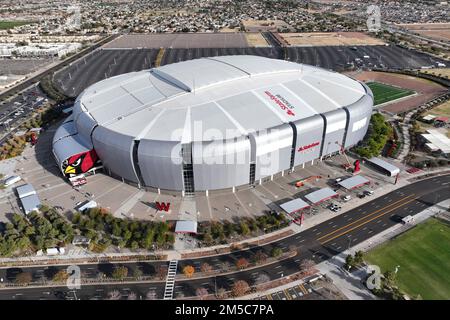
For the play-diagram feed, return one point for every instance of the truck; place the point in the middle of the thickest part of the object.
(12, 180)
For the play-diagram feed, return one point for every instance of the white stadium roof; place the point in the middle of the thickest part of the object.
(239, 94)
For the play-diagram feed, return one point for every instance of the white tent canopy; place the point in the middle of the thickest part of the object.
(186, 226)
(294, 205)
(354, 182)
(320, 195)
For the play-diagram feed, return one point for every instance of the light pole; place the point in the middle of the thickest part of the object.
(396, 269)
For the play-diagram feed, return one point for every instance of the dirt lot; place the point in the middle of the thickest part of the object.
(442, 110)
(443, 72)
(425, 89)
(330, 39)
(252, 25)
(180, 40)
(256, 40)
(438, 31)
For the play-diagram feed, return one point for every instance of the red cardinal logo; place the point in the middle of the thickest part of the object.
(81, 162)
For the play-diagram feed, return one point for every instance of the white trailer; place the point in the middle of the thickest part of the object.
(12, 180)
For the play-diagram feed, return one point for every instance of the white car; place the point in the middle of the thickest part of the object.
(347, 198)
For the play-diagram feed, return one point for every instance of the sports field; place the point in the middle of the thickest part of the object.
(4, 25)
(383, 93)
(423, 255)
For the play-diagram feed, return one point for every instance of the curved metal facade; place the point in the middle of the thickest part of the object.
(253, 118)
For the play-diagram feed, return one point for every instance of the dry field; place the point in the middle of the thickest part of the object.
(438, 31)
(442, 72)
(330, 39)
(252, 25)
(256, 40)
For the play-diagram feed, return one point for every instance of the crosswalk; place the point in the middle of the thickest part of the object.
(170, 280)
(293, 293)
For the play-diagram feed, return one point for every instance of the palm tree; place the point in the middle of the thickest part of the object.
(151, 295)
(132, 296)
(114, 295)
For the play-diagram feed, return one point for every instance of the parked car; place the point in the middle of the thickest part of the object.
(361, 195)
(347, 198)
(368, 192)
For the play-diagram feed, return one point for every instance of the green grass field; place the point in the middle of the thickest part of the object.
(383, 93)
(423, 255)
(4, 25)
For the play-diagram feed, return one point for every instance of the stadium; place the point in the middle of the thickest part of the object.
(211, 123)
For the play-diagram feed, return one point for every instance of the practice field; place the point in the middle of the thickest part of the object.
(423, 255)
(383, 93)
(4, 25)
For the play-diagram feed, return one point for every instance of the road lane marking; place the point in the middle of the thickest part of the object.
(365, 217)
(365, 222)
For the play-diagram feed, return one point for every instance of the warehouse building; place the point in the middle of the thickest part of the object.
(212, 123)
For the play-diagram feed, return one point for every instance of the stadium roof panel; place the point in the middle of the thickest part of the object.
(238, 93)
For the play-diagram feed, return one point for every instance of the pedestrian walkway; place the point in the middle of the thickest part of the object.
(170, 280)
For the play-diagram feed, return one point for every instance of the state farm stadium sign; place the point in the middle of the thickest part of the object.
(308, 146)
(281, 102)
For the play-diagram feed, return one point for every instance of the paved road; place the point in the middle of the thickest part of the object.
(318, 243)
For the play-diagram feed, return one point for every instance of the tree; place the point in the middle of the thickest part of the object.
(207, 238)
(225, 266)
(132, 296)
(390, 279)
(349, 262)
(120, 273)
(276, 252)
(24, 278)
(188, 271)
(161, 272)
(244, 229)
(151, 295)
(206, 267)
(260, 257)
(240, 288)
(262, 278)
(114, 295)
(222, 293)
(307, 266)
(202, 293)
(242, 263)
(359, 258)
(137, 273)
(60, 276)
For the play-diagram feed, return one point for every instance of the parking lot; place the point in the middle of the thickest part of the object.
(18, 109)
(101, 64)
(319, 290)
(108, 62)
